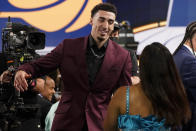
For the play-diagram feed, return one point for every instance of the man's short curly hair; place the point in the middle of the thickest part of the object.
(105, 7)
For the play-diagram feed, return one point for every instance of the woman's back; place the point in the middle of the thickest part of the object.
(137, 99)
(138, 115)
(160, 100)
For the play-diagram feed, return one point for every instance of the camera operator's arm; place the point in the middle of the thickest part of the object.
(20, 82)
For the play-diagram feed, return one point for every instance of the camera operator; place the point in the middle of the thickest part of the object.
(115, 36)
(41, 96)
(19, 120)
(19, 111)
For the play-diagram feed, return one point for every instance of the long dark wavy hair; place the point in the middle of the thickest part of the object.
(190, 31)
(162, 85)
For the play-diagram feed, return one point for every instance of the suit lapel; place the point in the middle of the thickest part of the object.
(82, 63)
(107, 63)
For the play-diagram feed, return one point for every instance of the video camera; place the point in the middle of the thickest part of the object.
(126, 36)
(18, 36)
(19, 43)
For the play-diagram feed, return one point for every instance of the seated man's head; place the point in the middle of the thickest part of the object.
(45, 87)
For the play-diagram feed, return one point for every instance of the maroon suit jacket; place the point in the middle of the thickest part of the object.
(79, 100)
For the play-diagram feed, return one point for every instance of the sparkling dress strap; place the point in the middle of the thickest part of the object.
(127, 100)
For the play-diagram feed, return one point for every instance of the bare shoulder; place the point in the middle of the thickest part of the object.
(137, 94)
(120, 91)
(120, 99)
(134, 89)
(139, 102)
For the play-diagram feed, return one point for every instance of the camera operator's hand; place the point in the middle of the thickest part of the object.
(20, 82)
(6, 77)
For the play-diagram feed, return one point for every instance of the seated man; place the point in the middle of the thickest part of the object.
(45, 86)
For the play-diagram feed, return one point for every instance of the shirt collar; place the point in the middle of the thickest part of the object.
(92, 42)
(189, 49)
(40, 95)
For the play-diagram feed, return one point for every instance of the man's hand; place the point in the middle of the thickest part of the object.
(6, 77)
(20, 82)
(135, 80)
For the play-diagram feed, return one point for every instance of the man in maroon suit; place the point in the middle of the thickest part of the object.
(92, 67)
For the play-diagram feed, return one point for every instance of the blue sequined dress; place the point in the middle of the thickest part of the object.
(137, 123)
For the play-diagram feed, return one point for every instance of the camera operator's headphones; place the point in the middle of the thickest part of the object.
(33, 82)
(116, 25)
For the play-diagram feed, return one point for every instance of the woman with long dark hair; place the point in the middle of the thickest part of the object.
(157, 103)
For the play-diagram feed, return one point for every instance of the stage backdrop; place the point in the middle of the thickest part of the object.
(60, 19)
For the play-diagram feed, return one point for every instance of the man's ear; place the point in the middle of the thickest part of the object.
(188, 42)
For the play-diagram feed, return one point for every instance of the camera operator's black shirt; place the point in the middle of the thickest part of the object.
(93, 62)
(3, 63)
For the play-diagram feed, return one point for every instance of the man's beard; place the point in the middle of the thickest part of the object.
(100, 39)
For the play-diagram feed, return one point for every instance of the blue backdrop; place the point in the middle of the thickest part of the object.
(183, 12)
